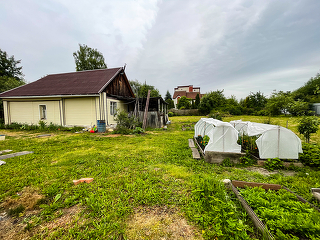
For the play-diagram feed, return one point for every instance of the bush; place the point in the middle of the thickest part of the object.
(247, 160)
(125, 123)
(170, 114)
(215, 115)
(274, 163)
(308, 125)
(310, 155)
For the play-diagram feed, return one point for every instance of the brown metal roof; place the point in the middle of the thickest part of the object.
(74, 83)
(191, 95)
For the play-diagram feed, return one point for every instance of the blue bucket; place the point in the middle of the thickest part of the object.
(101, 124)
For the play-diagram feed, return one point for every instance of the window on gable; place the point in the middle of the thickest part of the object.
(43, 112)
(113, 108)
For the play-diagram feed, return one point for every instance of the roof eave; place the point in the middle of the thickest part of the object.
(110, 80)
(51, 96)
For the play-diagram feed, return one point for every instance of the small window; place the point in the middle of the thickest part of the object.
(113, 108)
(43, 112)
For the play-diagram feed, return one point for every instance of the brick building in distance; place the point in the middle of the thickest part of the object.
(187, 91)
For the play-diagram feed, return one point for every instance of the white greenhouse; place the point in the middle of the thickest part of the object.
(273, 142)
(223, 136)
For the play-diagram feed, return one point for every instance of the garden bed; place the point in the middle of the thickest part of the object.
(284, 206)
(218, 157)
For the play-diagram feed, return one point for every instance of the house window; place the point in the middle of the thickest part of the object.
(113, 108)
(43, 112)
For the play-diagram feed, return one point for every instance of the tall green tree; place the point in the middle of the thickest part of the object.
(309, 92)
(170, 103)
(87, 58)
(184, 103)
(141, 90)
(11, 75)
(279, 102)
(168, 96)
(197, 101)
(214, 100)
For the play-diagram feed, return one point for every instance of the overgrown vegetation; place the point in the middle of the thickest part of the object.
(150, 171)
(41, 126)
(127, 124)
(311, 155)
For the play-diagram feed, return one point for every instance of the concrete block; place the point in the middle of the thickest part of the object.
(218, 157)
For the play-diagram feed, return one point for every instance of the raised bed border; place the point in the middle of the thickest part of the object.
(256, 220)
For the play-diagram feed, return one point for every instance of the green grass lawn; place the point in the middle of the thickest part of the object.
(149, 179)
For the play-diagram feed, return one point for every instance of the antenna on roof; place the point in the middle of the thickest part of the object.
(124, 67)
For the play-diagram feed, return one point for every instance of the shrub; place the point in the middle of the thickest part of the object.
(310, 155)
(247, 160)
(170, 114)
(125, 123)
(273, 163)
(215, 115)
(308, 125)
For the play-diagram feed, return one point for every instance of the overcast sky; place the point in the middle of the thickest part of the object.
(240, 46)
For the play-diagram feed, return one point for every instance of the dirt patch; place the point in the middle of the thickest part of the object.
(265, 172)
(16, 228)
(160, 223)
(28, 198)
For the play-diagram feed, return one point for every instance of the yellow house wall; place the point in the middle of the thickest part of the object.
(111, 119)
(29, 112)
(81, 111)
(67, 111)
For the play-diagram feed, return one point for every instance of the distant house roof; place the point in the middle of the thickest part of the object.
(74, 83)
(191, 95)
(186, 86)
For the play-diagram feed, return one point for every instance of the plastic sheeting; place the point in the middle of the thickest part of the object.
(223, 136)
(251, 128)
(280, 143)
(274, 141)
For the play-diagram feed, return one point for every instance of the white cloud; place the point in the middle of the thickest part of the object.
(239, 46)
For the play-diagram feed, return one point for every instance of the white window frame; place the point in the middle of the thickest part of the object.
(113, 108)
(43, 111)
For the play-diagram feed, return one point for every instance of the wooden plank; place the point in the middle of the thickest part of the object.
(256, 220)
(144, 125)
(5, 151)
(253, 184)
(195, 153)
(14, 155)
(191, 143)
(44, 135)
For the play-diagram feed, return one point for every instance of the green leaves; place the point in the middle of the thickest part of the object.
(308, 125)
(283, 214)
(87, 58)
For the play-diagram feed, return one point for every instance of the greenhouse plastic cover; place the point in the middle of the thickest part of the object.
(274, 142)
(223, 136)
(280, 143)
(251, 128)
